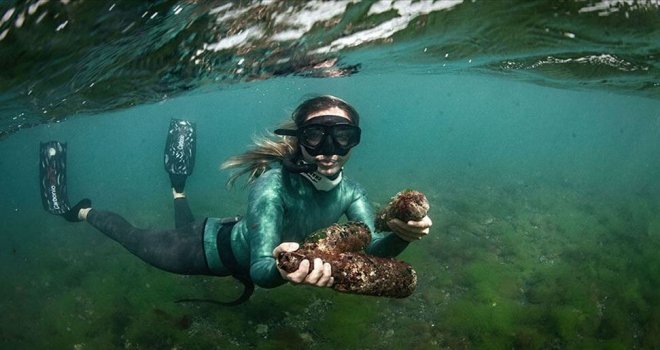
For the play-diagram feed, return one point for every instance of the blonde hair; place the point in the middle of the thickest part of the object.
(258, 158)
(273, 148)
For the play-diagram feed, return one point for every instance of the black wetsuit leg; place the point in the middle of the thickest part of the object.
(180, 250)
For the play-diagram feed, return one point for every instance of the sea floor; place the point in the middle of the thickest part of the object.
(523, 267)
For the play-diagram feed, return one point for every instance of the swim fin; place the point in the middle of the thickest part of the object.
(52, 174)
(180, 147)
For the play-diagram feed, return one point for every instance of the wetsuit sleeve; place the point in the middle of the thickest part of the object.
(264, 223)
(382, 244)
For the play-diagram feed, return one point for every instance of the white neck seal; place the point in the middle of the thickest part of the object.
(321, 182)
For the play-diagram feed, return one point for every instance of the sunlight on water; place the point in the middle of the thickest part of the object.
(59, 64)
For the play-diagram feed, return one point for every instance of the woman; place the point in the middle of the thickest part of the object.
(285, 204)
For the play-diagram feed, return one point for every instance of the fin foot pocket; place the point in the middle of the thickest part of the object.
(178, 182)
(72, 214)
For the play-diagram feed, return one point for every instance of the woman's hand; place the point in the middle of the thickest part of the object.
(411, 230)
(320, 275)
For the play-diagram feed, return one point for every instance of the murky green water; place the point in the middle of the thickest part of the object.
(544, 197)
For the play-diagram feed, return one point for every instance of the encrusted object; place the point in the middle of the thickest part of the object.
(342, 246)
(351, 237)
(406, 205)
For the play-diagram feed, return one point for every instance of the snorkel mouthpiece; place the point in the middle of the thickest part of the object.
(297, 167)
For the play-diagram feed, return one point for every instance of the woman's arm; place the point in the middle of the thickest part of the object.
(382, 244)
(386, 245)
(264, 222)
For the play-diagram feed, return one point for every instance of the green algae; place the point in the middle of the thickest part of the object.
(526, 270)
(347, 320)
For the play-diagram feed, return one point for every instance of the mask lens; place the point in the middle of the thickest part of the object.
(345, 135)
(312, 136)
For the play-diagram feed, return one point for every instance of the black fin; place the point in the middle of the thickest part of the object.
(52, 176)
(180, 147)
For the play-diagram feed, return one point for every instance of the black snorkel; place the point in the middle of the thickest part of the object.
(294, 164)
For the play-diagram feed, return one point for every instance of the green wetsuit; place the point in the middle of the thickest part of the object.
(282, 207)
(286, 207)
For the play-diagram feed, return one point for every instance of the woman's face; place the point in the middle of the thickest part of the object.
(327, 165)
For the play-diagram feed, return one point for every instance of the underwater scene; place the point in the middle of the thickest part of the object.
(532, 127)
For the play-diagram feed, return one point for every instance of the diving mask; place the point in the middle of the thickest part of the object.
(325, 135)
